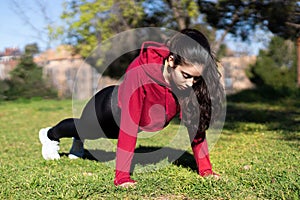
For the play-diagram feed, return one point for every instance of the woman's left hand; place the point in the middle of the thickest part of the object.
(127, 185)
(216, 176)
(213, 175)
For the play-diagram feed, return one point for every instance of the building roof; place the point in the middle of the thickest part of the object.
(12, 51)
(62, 52)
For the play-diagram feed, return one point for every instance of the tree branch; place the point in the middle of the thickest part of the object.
(294, 25)
(177, 14)
(235, 18)
(40, 32)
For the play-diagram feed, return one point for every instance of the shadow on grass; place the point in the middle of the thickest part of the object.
(265, 95)
(276, 110)
(151, 155)
(285, 120)
(148, 155)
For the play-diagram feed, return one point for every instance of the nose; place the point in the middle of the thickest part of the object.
(195, 80)
(190, 82)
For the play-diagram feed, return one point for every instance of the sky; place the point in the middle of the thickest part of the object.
(15, 31)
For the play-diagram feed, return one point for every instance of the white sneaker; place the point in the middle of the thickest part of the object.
(77, 150)
(50, 148)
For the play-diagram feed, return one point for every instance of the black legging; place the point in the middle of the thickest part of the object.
(100, 118)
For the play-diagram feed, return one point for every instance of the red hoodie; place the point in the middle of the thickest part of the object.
(147, 104)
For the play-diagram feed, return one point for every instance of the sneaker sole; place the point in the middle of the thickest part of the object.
(45, 151)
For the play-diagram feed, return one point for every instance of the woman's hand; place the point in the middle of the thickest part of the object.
(213, 175)
(125, 182)
(127, 185)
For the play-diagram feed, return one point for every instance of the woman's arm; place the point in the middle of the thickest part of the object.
(131, 97)
(201, 154)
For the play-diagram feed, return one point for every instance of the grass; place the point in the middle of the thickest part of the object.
(257, 155)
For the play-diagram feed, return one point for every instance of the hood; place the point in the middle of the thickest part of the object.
(151, 59)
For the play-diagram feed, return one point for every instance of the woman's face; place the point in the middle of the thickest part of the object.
(184, 76)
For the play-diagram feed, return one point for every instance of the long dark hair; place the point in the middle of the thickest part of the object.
(202, 105)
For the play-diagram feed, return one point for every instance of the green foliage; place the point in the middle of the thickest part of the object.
(91, 22)
(257, 156)
(276, 67)
(4, 87)
(26, 79)
(236, 17)
(222, 51)
(242, 17)
(282, 16)
(31, 49)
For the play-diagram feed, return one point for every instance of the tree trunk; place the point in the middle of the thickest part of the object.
(178, 13)
(298, 62)
(179, 16)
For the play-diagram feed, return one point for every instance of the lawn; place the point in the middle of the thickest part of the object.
(257, 155)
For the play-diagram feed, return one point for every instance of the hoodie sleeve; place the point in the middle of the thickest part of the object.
(201, 154)
(131, 97)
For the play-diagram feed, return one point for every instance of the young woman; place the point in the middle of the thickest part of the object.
(157, 86)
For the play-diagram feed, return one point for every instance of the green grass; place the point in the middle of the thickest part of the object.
(257, 155)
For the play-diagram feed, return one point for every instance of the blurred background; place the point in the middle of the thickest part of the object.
(44, 43)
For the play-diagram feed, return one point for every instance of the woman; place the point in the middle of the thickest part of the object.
(157, 86)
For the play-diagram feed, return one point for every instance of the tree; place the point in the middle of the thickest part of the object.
(274, 70)
(26, 79)
(176, 15)
(284, 20)
(91, 22)
(240, 17)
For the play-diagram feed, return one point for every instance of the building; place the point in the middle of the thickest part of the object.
(70, 74)
(60, 69)
(234, 73)
(73, 77)
(8, 61)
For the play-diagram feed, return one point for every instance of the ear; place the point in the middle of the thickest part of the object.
(171, 61)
